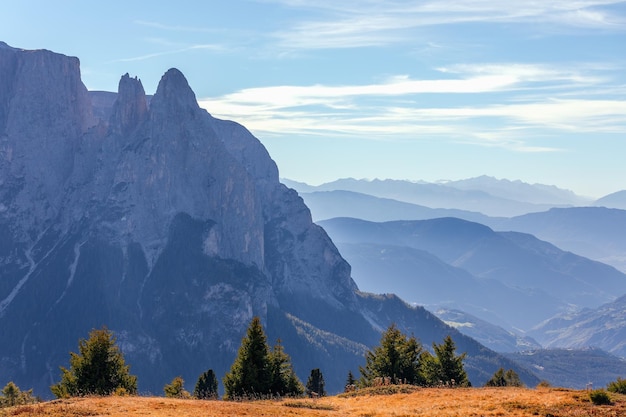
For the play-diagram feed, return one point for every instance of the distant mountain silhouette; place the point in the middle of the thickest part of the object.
(614, 200)
(598, 233)
(509, 198)
(539, 278)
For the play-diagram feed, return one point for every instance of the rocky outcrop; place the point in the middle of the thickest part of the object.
(166, 225)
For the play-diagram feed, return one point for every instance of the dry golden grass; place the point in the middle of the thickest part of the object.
(466, 402)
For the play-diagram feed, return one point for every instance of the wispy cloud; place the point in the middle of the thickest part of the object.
(394, 109)
(211, 47)
(349, 24)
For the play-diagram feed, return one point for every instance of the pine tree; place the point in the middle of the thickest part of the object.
(176, 389)
(509, 378)
(206, 387)
(445, 367)
(98, 368)
(284, 381)
(11, 395)
(250, 374)
(315, 384)
(350, 379)
(396, 358)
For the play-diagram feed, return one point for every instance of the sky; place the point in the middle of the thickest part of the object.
(418, 90)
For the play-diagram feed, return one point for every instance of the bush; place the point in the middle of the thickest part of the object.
(618, 386)
(600, 397)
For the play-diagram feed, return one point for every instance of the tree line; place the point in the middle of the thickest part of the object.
(259, 371)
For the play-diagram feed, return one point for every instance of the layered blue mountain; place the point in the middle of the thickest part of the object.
(597, 233)
(603, 327)
(171, 228)
(613, 200)
(508, 278)
(594, 232)
(486, 195)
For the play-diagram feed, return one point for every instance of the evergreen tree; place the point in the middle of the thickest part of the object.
(11, 395)
(445, 367)
(250, 373)
(176, 389)
(98, 368)
(315, 384)
(397, 357)
(509, 378)
(259, 371)
(350, 379)
(284, 381)
(206, 387)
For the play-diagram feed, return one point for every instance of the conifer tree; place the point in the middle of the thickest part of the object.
(176, 389)
(98, 368)
(397, 358)
(509, 378)
(11, 395)
(206, 387)
(250, 374)
(445, 367)
(350, 379)
(315, 384)
(284, 381)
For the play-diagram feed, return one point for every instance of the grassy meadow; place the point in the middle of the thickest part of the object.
(397, 401)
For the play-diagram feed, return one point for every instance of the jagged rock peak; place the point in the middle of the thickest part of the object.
(130, 107)
(174, 96)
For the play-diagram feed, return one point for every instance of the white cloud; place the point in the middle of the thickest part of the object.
(510, 107)
(349, 24)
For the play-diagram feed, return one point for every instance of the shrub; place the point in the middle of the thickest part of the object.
(618, 386)
(600, 397)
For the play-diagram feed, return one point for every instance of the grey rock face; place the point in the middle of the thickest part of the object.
(166, 225)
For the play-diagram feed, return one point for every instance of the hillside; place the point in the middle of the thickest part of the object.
(517, 402)
(574, 368)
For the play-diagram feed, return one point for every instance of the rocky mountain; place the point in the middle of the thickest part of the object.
(508, 199)
(171, 228)
(514, 278)
(603, 327)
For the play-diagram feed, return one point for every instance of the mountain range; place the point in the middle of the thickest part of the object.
(594, 232)
(170, 227)
(509, 278)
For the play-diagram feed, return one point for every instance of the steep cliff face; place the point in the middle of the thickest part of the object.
(166, 225)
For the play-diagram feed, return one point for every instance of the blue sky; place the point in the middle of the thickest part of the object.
(417, 90)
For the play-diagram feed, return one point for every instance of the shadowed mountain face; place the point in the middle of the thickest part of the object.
(171, 228)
